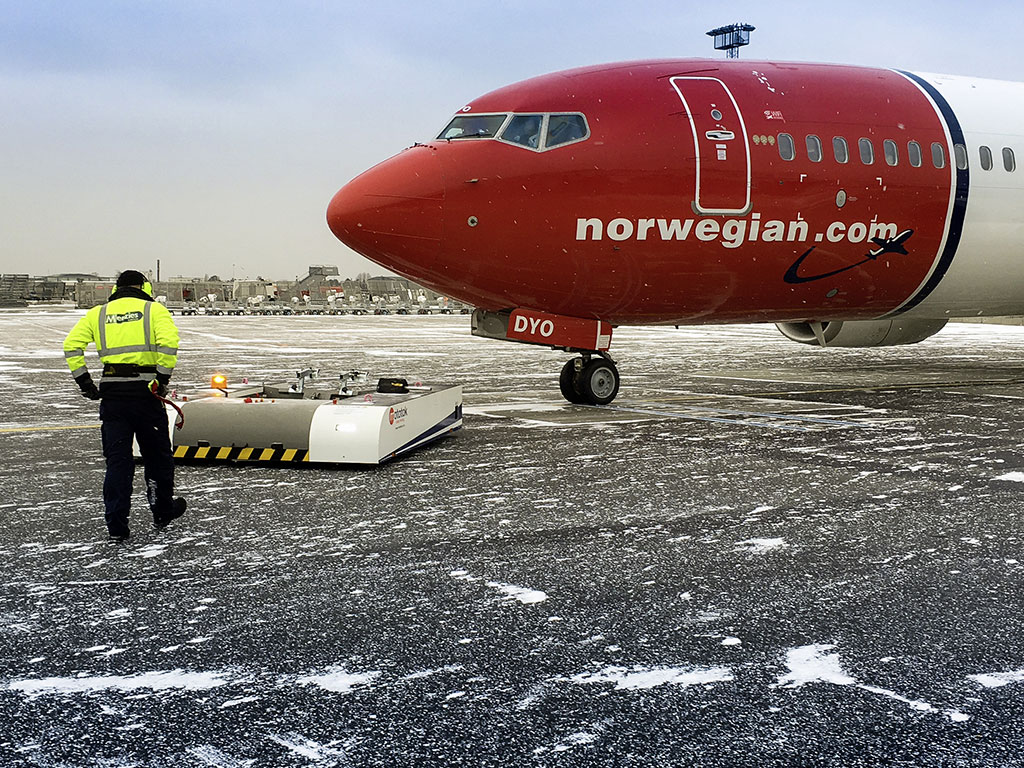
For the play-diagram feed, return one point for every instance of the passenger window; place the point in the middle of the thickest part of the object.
(914, 153)
(473, 127)
(985, 155)
(523, 130)
(565, 128)
(960, 156)
(840, 150)
(1009, 162)
(892, 154)
(938, 155)
(867, 151)
(787, 149)
(814, 149)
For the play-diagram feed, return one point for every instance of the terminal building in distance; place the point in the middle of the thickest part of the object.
(321, 289)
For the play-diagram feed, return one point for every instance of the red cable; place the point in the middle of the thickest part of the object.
(179, 420)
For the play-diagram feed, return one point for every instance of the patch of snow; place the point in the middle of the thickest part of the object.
(339, 680)
(920, 706)
(640, 678)
(811, 664)
(308, 748)
(175, 679)
(153, 550)
(236, 702)
(758, 546)
(997, 679)
(425, 673)
(214, 757)
(522, 594)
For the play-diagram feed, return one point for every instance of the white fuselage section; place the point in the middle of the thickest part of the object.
(986, 276)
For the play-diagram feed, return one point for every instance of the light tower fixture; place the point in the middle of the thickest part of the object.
(731, 38)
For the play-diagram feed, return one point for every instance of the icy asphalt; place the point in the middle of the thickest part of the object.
(762, 555)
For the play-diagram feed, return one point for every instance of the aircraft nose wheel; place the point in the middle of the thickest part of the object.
(589, 382)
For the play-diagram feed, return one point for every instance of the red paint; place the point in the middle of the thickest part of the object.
(559, 331)
(496, 225)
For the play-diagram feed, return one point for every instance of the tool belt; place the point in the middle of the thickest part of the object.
(128, 371)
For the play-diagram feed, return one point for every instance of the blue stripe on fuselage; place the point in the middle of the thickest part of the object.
(956, 219)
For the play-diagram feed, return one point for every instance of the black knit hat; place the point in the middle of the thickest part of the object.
(131, 277)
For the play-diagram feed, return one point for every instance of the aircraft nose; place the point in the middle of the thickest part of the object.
(392, 213)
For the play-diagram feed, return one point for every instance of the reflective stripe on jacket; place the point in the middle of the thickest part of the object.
(125, 330)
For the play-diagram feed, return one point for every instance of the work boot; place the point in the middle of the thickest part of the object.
(119, 535)
(177, 510)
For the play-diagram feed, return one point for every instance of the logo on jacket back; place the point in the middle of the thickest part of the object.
(127, 317)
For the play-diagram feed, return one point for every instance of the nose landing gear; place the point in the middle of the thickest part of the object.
(589, 379)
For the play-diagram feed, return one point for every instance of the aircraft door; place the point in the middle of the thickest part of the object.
(720, 141)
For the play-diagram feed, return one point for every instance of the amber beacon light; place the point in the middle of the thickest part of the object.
(219, 381)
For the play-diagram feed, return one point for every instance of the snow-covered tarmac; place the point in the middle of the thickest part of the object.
(761, 554)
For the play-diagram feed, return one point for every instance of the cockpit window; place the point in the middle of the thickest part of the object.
(533, 131)
(565, 128)
(524, 130)
(473, 127)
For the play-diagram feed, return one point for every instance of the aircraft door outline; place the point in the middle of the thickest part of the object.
(720, 144)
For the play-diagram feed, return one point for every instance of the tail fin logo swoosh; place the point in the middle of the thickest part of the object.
(885, 245)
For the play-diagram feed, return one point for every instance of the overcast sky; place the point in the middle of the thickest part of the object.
(211, 134)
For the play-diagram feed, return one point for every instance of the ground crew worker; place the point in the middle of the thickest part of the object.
(138, 345)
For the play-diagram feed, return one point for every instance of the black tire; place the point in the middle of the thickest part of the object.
(569, 383)
(599, 381)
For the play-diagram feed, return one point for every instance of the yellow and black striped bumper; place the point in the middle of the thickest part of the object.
(230, 453)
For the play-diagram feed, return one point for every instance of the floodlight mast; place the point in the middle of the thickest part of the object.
(731, 38)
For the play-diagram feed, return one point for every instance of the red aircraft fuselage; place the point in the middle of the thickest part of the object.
(699, 191)
(654, 217)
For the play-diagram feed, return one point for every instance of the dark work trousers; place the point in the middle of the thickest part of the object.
(145, 419)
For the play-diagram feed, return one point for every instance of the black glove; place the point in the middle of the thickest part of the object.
(90, 390)
(162, 380)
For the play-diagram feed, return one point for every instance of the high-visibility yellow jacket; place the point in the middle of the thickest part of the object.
(127, 330)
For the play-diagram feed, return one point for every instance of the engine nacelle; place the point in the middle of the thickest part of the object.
(861, 333)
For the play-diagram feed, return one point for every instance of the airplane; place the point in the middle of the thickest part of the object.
(850, 206)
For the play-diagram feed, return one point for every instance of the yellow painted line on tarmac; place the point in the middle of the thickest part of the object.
(8, 430)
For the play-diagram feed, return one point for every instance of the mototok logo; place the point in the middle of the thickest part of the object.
(397, 414)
